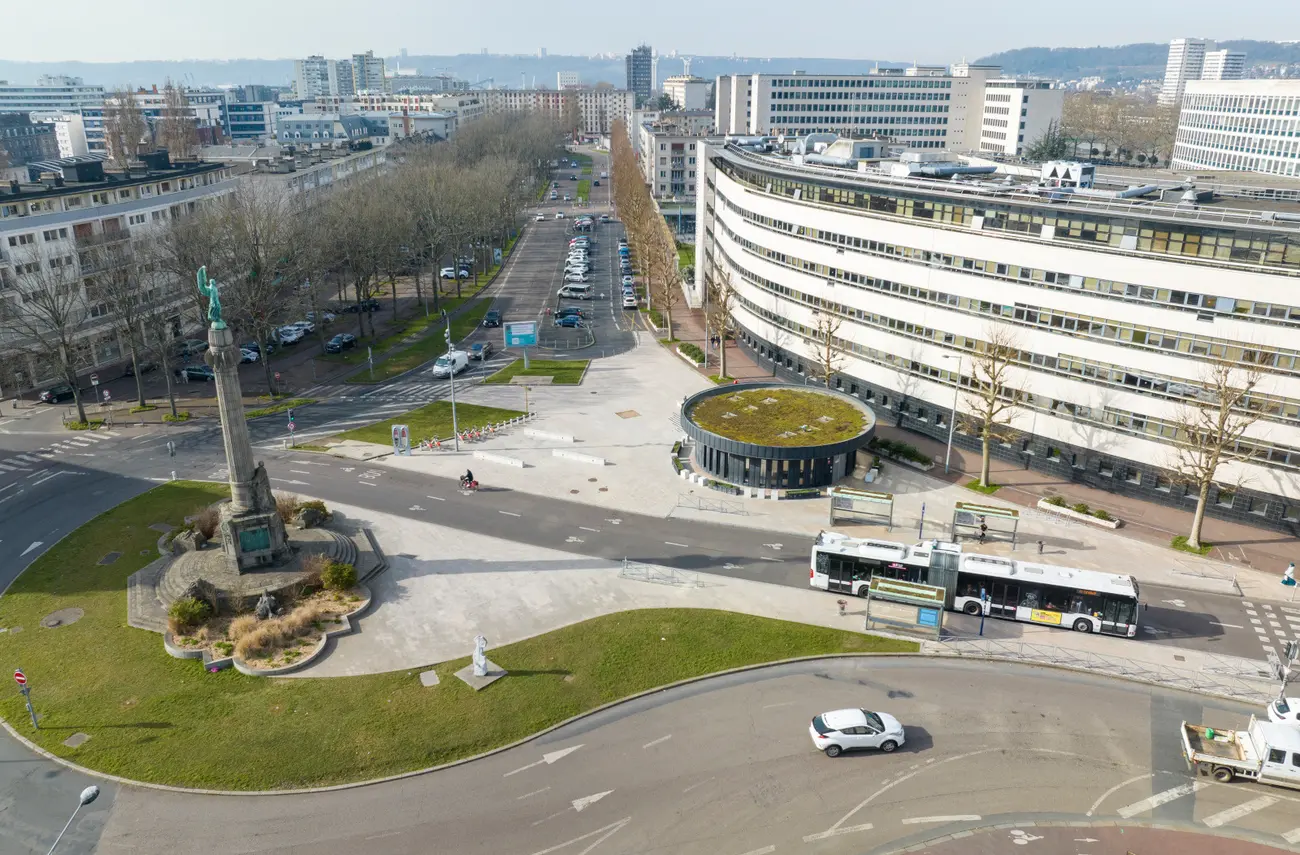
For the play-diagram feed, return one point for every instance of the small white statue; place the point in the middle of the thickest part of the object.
(480, 656)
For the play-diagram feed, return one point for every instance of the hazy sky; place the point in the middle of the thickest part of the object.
(939, 31)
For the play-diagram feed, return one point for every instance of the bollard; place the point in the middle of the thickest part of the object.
(173, 474)
(843, 604)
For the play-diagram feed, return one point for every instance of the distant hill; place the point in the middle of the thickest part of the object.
(1136, 61)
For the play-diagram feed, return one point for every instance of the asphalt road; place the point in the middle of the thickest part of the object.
(726, 767)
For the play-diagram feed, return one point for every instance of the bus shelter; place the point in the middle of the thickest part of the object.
(848, 503)
(908, 607)
(985, 522)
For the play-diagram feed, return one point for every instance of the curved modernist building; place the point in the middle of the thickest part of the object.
(1115, 302)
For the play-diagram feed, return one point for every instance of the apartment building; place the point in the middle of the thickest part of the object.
(598, 109)
(1224, 65)
(250, 120)
(437, 126)
(69, 131)
(23, 140)
(1017, 112)
(567, 80)
(51, 226)
(1246, 125)
(52, 93)
(668, 161)
(640, 72)
(317, 129)
(316, 76)
(687, 91)
(1186, 62)
(1114, 304)
(368, 73)
(466, 106)
(919, 107)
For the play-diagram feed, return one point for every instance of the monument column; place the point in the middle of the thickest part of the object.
(224, 358)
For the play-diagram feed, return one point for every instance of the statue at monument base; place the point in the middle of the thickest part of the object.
(254, 538)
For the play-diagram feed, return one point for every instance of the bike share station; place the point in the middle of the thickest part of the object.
(905, 607)
(981, 522)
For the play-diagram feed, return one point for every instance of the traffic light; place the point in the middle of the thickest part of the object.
(290, 415)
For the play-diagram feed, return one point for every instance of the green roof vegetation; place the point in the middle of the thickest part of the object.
(781, 417)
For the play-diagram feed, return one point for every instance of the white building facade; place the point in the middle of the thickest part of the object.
(52, 94)
(687, 91)
(1247, 125)
(1186, 62)
(368, 73)
(598, 108)
(1224, 65)
(1017, 112)
(1113, 307)
(566, 80)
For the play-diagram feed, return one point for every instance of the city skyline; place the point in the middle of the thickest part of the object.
(136, 32)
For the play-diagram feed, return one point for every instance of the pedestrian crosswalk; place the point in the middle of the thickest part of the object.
(417, 388)
(1273, 625)
(1215, 805)
(82, 443)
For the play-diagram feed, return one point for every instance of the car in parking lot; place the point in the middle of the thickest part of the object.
(145, 367)
(629, 301)
(191, 346)
(453, 273)
(199, 373)
(340, 343)
(604, 218)
(838, 731)
(566, 311)
(628, 280)
(559, 215)
(246, 356)
(480, 350)
(306, 326)
(54, 394)
(554, 195)
(575, 276)
(492, 318)
(326, 316)
(367, 305)
(289, 335)
(596, 183)
(569, 321)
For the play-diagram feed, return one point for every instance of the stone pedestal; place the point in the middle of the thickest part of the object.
(252, 532)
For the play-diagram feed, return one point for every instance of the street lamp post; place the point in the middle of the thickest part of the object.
(952, 418)
(451, 375)
(88, 795)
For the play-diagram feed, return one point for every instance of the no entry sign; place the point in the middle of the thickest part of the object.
(20, 678)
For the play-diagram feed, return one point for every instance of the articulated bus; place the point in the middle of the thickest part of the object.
(1082, 600)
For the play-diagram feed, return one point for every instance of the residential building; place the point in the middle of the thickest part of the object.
(567, 80)
(1017, 112)
(919, 107)
(51, 93)
(430, 126)
(368, 73)
(318, 129)
(50, 226)
(640, 72)
(69, 131)
(687, 91)
(466, 106)
(298, 169)
(252, 93)
(437, 83)
(316, 76)
(1186, 62)
(598, 109)
(1250, 125)
(1224, 65)
(668, 161)
(1113, 304)
(250, 120)
(23, 140)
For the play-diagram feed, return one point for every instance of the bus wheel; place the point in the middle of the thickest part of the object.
(971, 608)
(1222, 774)
(864, 591)
(1083, 625)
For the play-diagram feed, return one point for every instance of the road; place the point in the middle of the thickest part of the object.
(726, 766)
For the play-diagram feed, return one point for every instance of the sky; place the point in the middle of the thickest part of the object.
(941, 31)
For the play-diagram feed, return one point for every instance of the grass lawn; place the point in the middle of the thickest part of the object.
(584, 160)
(988, 490)
(685, 255)
(431, 346)
(154, 718)
(429, 421)
(782, 417)
(564, 372)
(278, 407)
(584, 190)
(1180, 543)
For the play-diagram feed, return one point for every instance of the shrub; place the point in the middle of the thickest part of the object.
(205, 521)
(1102, 515)
(1058, 501)
(1081, 508)
(186, 614)
(316, 505)
(223, 648)
(143, 409)
(241, 626)
(339, 577)
(315, 565)
(287, 505)
(183, 416)
(301, 620)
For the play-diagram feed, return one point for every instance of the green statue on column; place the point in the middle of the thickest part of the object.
(208, 288)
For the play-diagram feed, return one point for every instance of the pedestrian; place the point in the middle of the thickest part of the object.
(1288, 575)
(1040, 547)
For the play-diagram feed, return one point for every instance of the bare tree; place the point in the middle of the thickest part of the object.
(991, 402)
(124, 127)
(169, 298)
(116, 285)
(721, 295)
(49, 318)
(176, 130)
(1209, 429)
(830, 359)
(665, 275)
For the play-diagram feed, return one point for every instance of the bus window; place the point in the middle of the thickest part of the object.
(1117, 615)
(1086, 604)
(1030, 598)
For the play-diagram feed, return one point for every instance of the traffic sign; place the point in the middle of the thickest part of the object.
(521, 334)
(20, 678)
(94, 379)
(401, 440)
(291, 428)
(107, 396)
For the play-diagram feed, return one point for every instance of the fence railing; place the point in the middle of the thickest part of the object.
(1238, 686)
(639, 572)
(718, 506)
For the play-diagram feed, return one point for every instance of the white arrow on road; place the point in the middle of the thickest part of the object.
(547, 758)
(587, 801)
(605, 833)
(772, 545)
(613, 522)
(416, 508)
(34, 545)
(1086, 840)
(294, 482)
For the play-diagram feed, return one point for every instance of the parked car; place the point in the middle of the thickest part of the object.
(480, 350)
(838, 731)
(307, 327)
(259, 349)
(596, 183)
(325, 316)
(145, 367)
(55, 394)
(1285, 711)
(628, 280)
(368, 305)
(575, 277)
(289, 335)
(629, 301)
(191, 346)
(246, 356)
(569, 321)
(492, 318)
(340, 343)
(604, 218)
(451, 363)
(453, 273)
(566, 311)
(200, 373)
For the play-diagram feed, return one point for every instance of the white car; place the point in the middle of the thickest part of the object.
(629, 301)
(849, 730)
(540, 218)
(246, 355)
(559, 215)
(306, 326)
(1285, 711)
(290, 335)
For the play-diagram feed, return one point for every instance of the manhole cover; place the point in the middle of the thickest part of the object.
(627, 414)
(591, 480)
(76, 739)
(109, 558)
(573, 491)
(62, 617)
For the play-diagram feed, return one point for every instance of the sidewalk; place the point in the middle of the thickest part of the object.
(1235, 544)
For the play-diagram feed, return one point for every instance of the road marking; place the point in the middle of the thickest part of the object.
(1226, 625)
(385, 834)
(48, 477)
(836, 832)
(1292, 836)
(772, 545)
(415, 508)
(657, 741)
(1234, 813)
(508, 513)
(764, 851)
(38, 473)
(1130, 811)
(300, 471)
(547, 758)
(765, 558)
(30, 458)
(7, 487)
(533, 793)
(1178, 604)
(1115, 789)
(784, 704)
(35, 544)
(367, 483)
(309, 463)
(605, 833)
(960, 817)
(435, 498)
(585, 802)
(674, 543)
(585, 528)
